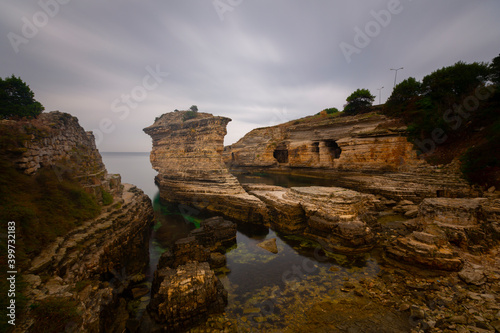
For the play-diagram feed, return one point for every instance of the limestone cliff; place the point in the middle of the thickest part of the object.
(86, 269)
(187, 155)
(367, 152)
(359, 143)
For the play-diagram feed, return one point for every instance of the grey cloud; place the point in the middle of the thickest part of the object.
(266, 62)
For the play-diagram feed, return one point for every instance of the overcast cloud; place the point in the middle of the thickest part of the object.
(258, 62)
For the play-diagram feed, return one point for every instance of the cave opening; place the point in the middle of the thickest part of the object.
(281, 153)
(333, 148)
(315, 147)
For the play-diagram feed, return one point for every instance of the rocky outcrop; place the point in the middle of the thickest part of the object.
(113, 248)
(187, 155)
(183, 296)
(446, 224)
(185, 289)
(333, 216)
(56, 140)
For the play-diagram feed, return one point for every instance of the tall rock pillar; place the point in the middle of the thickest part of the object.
(187, 153)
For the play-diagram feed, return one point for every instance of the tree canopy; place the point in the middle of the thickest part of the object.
(17, 99)
(359, 101)
(495, 70)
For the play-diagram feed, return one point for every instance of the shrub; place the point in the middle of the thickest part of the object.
(189, 115)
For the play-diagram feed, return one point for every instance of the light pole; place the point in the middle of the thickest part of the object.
(396, 74)
(380, 95)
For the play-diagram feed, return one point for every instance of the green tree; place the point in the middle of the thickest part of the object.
(17, 99)
(193, 108)
(403, 95)
(449, 85)
(495, 70)
(359, 101)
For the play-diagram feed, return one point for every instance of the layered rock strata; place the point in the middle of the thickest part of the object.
(368, 142)
(187, 155)
(113, 247)
(446, 226)
(333, 216)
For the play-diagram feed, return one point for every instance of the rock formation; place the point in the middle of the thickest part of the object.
(184, 295)
(368, 142)
(92, 264)
(330, 215)
(185, 289)
(443, 224)
(367, 152)
(187, 155)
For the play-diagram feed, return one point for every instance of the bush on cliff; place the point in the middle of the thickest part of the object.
(17, 99)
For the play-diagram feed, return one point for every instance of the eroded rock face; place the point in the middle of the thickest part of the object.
(56, 139)
(363, 143)
(330, 215)
(187, 155)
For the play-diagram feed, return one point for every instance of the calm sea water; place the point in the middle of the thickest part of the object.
(135, 168)
(265, 290)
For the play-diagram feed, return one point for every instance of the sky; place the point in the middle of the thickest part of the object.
(117, 65)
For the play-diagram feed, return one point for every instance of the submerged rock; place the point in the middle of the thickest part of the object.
(269, 245)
